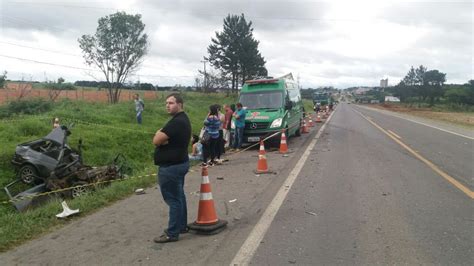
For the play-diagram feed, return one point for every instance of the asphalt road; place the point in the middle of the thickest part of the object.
(364, 199)
(358, 197)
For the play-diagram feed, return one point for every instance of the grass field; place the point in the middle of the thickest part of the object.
(463, 117)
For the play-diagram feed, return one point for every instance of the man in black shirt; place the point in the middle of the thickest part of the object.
(171, 155)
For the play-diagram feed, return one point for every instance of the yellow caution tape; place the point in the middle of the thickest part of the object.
(70, 188)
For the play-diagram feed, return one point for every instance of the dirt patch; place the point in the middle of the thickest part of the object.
(460, 118)
(77, 95)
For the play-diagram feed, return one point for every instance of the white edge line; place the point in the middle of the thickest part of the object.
(445, 130)
(247, 250)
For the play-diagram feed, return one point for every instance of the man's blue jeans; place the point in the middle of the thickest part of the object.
(171, 181)
(238, 137)
(139, 117)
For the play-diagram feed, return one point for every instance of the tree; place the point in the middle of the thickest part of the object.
(117, 49)
(24, 88)
(234, 51)
(407, 86)
(433, 82)
(213, 82)
(420, 75)
(61, 80)
(3, 78)
(459, 94)
(421, 82)
(410, 78)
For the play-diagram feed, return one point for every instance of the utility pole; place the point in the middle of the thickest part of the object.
(205, 75)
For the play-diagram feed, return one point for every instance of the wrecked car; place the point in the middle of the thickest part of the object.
(81, 178)
(35, 160)
(49, 164)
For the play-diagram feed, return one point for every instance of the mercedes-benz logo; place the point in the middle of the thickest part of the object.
(253, 126)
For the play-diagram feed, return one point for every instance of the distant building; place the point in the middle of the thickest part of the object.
(384, 83)
(361, 91)
(391, 99)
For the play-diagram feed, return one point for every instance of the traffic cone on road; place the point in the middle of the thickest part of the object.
(262, 166)
(283, 145)
(305, 127)
(310, 122)
(318, 119)
(207, 221)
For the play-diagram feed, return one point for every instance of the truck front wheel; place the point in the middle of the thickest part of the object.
(298, 131)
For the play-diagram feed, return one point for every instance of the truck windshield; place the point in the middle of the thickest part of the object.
(262, 100)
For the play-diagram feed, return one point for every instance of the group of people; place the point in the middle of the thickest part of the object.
(171, 155)
(216, 136)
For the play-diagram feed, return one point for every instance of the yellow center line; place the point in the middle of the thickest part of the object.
(393, 133)
(435, 168)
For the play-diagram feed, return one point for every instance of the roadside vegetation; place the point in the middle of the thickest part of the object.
(423, 92)
(106, 130)
(426, 88)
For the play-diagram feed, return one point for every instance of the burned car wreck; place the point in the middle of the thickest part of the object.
(49, 164)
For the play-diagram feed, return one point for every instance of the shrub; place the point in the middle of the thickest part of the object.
(28, 107)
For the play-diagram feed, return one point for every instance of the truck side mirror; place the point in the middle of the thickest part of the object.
(288, 105)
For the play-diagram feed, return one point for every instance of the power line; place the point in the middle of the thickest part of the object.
(62, 5)
(75, 55)
(41, 49)
(31, 23)
(47, 63)
(87, 69)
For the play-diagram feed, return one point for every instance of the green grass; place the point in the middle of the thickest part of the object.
(106, 130)
(308, 105)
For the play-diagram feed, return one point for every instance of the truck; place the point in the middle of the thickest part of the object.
(322, 98)
(272, 105)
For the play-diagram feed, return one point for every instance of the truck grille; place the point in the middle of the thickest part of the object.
(256, 125)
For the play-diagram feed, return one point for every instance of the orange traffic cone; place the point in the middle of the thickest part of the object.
(310, 122)
(325, 115)
(318, 119)
(206, 211)
(283, 145)
(262, 166)
(305, 127)
(207, 221)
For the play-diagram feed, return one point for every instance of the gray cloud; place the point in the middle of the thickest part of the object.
(310, 38)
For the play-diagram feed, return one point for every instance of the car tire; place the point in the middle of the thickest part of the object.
(28, 174)
(80, 191)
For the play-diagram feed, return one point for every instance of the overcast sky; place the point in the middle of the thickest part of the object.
(324, 43)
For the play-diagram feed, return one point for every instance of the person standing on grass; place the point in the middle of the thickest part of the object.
(239, 121)
(139, 107)
(171, 155)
